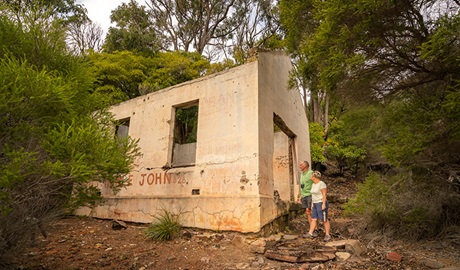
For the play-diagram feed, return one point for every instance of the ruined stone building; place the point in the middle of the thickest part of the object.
(236, 169)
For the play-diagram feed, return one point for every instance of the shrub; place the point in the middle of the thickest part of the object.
(166, 227)
(412, 204)
(317, 142)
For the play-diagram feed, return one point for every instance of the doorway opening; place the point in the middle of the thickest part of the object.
(283, 159)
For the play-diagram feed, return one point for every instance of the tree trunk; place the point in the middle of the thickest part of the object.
(326, 114)
(305, 104)
(316, 108)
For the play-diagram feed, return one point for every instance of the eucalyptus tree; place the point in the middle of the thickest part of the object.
(207, 26)
(26, 11)
(298, 22)
(134, 30)
(405, 55)
(191, 24)
(388, 47)
(84, 36)
(258, 29)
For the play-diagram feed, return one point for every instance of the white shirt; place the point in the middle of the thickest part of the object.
(316, 194)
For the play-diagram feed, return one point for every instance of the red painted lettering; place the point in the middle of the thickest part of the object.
(150, 178)
(168, 178)
(157, 177)
(142, 183)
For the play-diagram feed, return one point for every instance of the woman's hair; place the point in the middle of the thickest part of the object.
(316, 174)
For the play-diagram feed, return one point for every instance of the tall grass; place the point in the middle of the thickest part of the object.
(166, 227)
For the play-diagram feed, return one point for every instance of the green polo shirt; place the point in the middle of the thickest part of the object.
(305, 179)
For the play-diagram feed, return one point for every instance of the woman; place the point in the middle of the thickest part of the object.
(320, 205)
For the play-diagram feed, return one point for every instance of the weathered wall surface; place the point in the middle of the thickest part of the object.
(281, 163)
(230, 187)
(278, 99)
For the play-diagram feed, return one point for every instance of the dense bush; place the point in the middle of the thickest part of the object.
(413, 204)
(53, 141)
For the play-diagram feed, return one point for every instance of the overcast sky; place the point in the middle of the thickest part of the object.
(99, 10)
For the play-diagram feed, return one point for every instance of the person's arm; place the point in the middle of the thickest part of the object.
(324, 192)
(299, 198)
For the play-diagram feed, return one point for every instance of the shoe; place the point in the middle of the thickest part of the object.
(308, 235)
(327, 238)
(315, 233)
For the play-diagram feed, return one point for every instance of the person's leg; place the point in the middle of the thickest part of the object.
(327, 224)
(309, 208)
(312, 225)
(314, 220)
(306, 203)
(308, 213)
(327, 227)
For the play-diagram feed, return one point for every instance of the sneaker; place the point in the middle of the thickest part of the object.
(327, 238)
(308, 235)
(315, 233)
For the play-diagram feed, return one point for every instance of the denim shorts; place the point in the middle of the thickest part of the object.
(319, 213)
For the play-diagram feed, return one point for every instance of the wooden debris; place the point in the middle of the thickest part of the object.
(295, 253)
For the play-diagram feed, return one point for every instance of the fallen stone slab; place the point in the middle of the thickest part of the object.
(118, 225)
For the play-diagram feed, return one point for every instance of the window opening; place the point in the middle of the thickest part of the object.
(185, 135)
(186, 125)
(122, 129)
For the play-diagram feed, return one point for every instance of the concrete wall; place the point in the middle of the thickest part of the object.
(281, 166)
(231, 186)
(273, 70)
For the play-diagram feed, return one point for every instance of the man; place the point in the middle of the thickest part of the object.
(305, 190)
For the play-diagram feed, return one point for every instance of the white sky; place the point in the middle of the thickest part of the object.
(99, 10)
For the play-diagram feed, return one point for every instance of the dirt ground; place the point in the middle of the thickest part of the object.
(87, 243)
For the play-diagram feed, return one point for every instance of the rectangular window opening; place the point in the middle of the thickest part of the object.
(122, 128)
(185, 135)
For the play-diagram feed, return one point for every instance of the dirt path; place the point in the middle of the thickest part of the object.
(86, 243)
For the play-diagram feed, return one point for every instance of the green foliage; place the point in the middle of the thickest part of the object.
(53, 143)
(166, 227)
(119, 74)
(244, 54)
(195, 25)
(63, 11)
(373, 198)
(317, 142)
(176, 67)
(296, 20)
(342, 146)
(220, 66)
(398, 205)
(407, 132)
(414, 129)
(43, 127)
(42, 46)
(86, 150)
(186, 125)
(124, 75)
(392, 53)
(134, 31)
